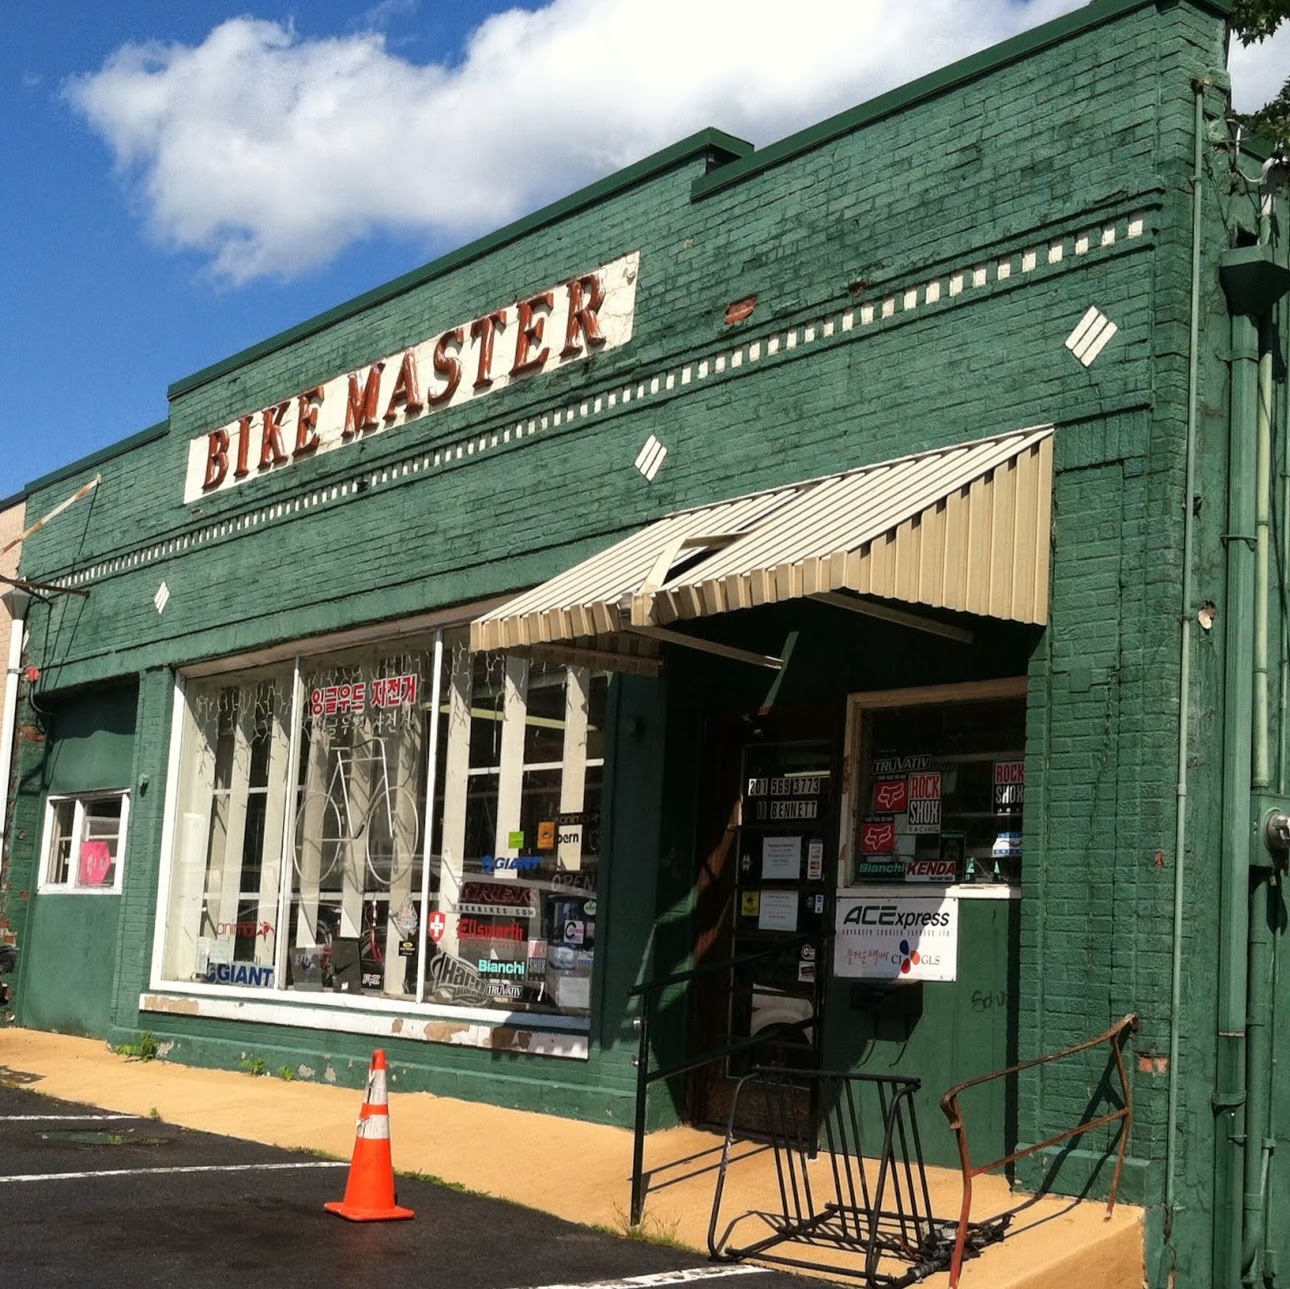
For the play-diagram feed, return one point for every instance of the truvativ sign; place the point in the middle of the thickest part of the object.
(542, 332)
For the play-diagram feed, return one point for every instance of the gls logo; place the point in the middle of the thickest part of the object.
(890, 915)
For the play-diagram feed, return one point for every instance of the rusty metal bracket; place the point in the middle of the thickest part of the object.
(953, 1110)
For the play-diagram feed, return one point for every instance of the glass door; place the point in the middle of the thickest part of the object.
(783, 876)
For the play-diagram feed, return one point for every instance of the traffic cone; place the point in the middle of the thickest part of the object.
(369, 1193)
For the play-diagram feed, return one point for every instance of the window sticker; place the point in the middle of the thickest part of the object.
(924, 816)
(925, 786)
(891, 796)
(1009, 786)
(877, 836)
(815, 859)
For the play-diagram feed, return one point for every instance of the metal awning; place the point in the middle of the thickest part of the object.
(964, 528)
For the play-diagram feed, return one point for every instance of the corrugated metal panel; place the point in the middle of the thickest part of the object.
(963, 528)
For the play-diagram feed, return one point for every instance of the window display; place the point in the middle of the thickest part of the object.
(480, 892)
(940, 794)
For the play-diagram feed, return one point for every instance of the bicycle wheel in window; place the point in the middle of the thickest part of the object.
(321, 841)
(391, 835)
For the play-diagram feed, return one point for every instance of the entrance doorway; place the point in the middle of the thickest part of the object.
(768, 847)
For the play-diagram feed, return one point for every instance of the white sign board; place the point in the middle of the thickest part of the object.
(896, 937)
(777, 911)
(781, 858)
(569, 322)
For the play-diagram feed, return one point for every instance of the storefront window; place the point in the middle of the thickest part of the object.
(940, 793)
(518, 793)
(322, 828)
(358, 834)
(231, 806)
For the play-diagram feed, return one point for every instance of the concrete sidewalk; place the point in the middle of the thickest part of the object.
(578, 1171)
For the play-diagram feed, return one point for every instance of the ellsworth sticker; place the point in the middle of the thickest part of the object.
(896, 938)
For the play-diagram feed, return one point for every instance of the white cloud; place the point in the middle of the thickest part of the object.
(270, 153)
(1259, 71)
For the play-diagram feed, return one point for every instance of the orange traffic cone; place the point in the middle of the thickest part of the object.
(369, 1193)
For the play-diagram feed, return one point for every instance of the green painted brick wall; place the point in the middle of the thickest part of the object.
(1047, 148)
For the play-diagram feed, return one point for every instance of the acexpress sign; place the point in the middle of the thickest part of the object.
(896, 938)
(562, 324)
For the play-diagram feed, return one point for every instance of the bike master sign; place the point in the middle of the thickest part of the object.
(569, 322)
(896, 938)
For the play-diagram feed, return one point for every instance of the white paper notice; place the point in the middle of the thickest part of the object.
(781, 858)
(778, 911)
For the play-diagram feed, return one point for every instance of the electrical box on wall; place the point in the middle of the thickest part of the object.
(1272, 832)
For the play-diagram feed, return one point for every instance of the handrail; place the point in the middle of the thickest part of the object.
(648, 991)
(707, 968)
(954, 1113)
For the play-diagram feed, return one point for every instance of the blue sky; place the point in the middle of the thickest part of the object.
(185, 179)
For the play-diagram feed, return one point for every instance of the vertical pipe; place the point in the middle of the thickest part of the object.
(1234, 856)
(1283, 688)
(1258, 1021)
(18, 600)
(1261, 773)
(1259, 1052)
(1277, 889)
(1184, 666)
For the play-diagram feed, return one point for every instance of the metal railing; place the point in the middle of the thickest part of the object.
(648, 992)
(1115, 1037)
(867, 1193)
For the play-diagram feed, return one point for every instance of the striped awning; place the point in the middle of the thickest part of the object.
(964, 528)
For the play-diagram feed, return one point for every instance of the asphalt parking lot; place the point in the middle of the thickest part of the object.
(99, 1201)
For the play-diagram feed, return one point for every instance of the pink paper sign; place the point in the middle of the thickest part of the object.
(96, 860)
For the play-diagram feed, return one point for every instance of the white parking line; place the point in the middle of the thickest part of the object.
(188, 1168)
(667, 1278)
(73, 1118)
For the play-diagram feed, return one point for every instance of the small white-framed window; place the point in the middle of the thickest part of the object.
(84, 842)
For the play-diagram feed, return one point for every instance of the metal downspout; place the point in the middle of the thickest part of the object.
(1259, 1020)
(1234, 853)
(1253, 283)
(1278, 909)
(1184, 666)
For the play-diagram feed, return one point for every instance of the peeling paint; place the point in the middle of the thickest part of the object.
(173, 1006)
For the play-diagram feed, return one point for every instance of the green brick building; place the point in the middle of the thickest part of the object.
(870, 549)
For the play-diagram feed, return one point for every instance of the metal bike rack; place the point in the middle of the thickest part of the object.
(856, 1184)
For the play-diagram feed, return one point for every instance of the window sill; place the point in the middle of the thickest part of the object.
(78, 890)
(931, 890)
(560, 1036)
